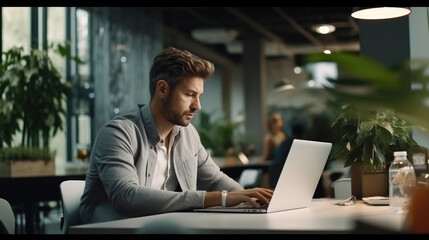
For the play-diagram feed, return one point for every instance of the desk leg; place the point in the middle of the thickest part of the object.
(32, 221)
(29, 218)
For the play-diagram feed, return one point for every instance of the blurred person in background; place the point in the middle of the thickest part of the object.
(274, 137)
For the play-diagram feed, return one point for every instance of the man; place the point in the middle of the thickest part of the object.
(151, 160)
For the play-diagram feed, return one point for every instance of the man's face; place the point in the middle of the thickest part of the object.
(182, 103)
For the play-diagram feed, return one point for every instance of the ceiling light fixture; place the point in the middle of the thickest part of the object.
(283, 85)
(378, 13)
(324, 28)
(215, 35)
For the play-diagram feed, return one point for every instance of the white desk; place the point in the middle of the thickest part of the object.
(322, 217)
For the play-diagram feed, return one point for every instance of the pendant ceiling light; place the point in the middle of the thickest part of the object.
(378, 13)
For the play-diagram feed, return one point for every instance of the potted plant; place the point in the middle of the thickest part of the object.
(371, 87)
(31, 103)
(366, 141)
(370, 137)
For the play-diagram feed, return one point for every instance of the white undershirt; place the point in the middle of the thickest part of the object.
(164, 176)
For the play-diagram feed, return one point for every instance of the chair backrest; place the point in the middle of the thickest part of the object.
(250, 178)
(342, 188)
(71, 192)
(7, 218)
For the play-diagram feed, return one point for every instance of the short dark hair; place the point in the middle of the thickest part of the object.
(173, 65)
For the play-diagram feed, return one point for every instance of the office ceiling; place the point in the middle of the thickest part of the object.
(287, 30)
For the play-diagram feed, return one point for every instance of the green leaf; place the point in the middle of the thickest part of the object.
(362, 68)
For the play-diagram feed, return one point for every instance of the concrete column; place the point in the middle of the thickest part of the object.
(254, 83)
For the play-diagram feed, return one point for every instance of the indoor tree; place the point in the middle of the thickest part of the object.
(32, 97)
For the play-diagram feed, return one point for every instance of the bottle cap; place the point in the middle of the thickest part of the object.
(400, 153)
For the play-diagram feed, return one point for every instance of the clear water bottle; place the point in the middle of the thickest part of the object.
(402, 182)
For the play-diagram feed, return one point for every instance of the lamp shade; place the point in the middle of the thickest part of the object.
(378, 13)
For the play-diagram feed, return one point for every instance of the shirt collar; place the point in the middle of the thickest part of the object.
(149, 124)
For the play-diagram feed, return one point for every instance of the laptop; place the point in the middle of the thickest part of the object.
(297, 182)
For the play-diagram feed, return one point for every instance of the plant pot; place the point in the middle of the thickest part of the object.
(368, 184)
(27, 168)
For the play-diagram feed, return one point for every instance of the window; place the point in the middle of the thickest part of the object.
(83, 87)
(56, 30)
(56, 33)
(17, 32)
(56, 25)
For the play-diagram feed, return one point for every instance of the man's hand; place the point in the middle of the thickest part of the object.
(253, 196)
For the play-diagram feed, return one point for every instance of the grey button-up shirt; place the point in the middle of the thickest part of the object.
(113, 189)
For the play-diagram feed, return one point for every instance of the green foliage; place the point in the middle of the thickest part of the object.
(220, 135)
(367, 84)
(32, 96)
(370, 137)
(378, 105)
(25, 153)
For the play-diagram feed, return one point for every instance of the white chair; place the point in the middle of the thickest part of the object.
(250, 178)
(342, 188)
(7, 218)
(71, 192)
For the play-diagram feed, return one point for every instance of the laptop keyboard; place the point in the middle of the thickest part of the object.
(247, 205)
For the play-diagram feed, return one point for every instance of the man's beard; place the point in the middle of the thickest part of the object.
(173, 116)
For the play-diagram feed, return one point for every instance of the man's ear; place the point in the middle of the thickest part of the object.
(163, 89)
